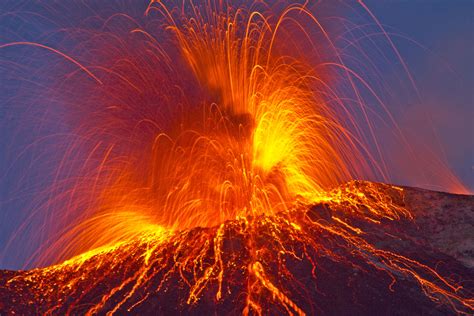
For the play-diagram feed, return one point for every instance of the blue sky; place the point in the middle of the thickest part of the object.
(443, 70)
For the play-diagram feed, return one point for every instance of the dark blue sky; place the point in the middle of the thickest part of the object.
(443, 71)
(435, 39)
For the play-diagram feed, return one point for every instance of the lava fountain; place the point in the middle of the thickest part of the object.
(225, 118)
(257, 136)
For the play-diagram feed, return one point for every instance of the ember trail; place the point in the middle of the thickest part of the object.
(245, 148)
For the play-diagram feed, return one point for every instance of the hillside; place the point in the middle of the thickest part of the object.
(376, 249)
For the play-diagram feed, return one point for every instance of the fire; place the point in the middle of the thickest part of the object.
(258, 149)
(266, 142)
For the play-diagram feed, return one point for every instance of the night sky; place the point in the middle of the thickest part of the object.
(443, 70)
(435, 38)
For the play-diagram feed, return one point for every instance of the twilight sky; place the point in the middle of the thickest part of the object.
(443, 71)
(435, 38)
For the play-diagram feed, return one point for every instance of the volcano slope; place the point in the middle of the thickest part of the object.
(371, 249)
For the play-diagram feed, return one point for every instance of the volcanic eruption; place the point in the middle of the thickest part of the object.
(212, 166)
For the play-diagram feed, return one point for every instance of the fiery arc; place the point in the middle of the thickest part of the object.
(266, 140)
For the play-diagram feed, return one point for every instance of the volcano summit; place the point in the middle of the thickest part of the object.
(334, 258)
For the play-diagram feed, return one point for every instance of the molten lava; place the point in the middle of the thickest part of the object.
(344, 256)
(261, 140)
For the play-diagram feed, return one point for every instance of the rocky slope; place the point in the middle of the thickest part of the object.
(331, 258)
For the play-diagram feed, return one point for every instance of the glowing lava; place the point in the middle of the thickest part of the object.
(260, 140)
(299, 261)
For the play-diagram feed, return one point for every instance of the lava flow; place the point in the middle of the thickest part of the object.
(344, 256)
(221, 182)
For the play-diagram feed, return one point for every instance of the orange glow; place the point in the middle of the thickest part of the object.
(268, 142)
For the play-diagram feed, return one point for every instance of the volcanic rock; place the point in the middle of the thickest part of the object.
(322, 259)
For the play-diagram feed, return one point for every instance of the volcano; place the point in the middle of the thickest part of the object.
(326, 258)
(198, 158)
